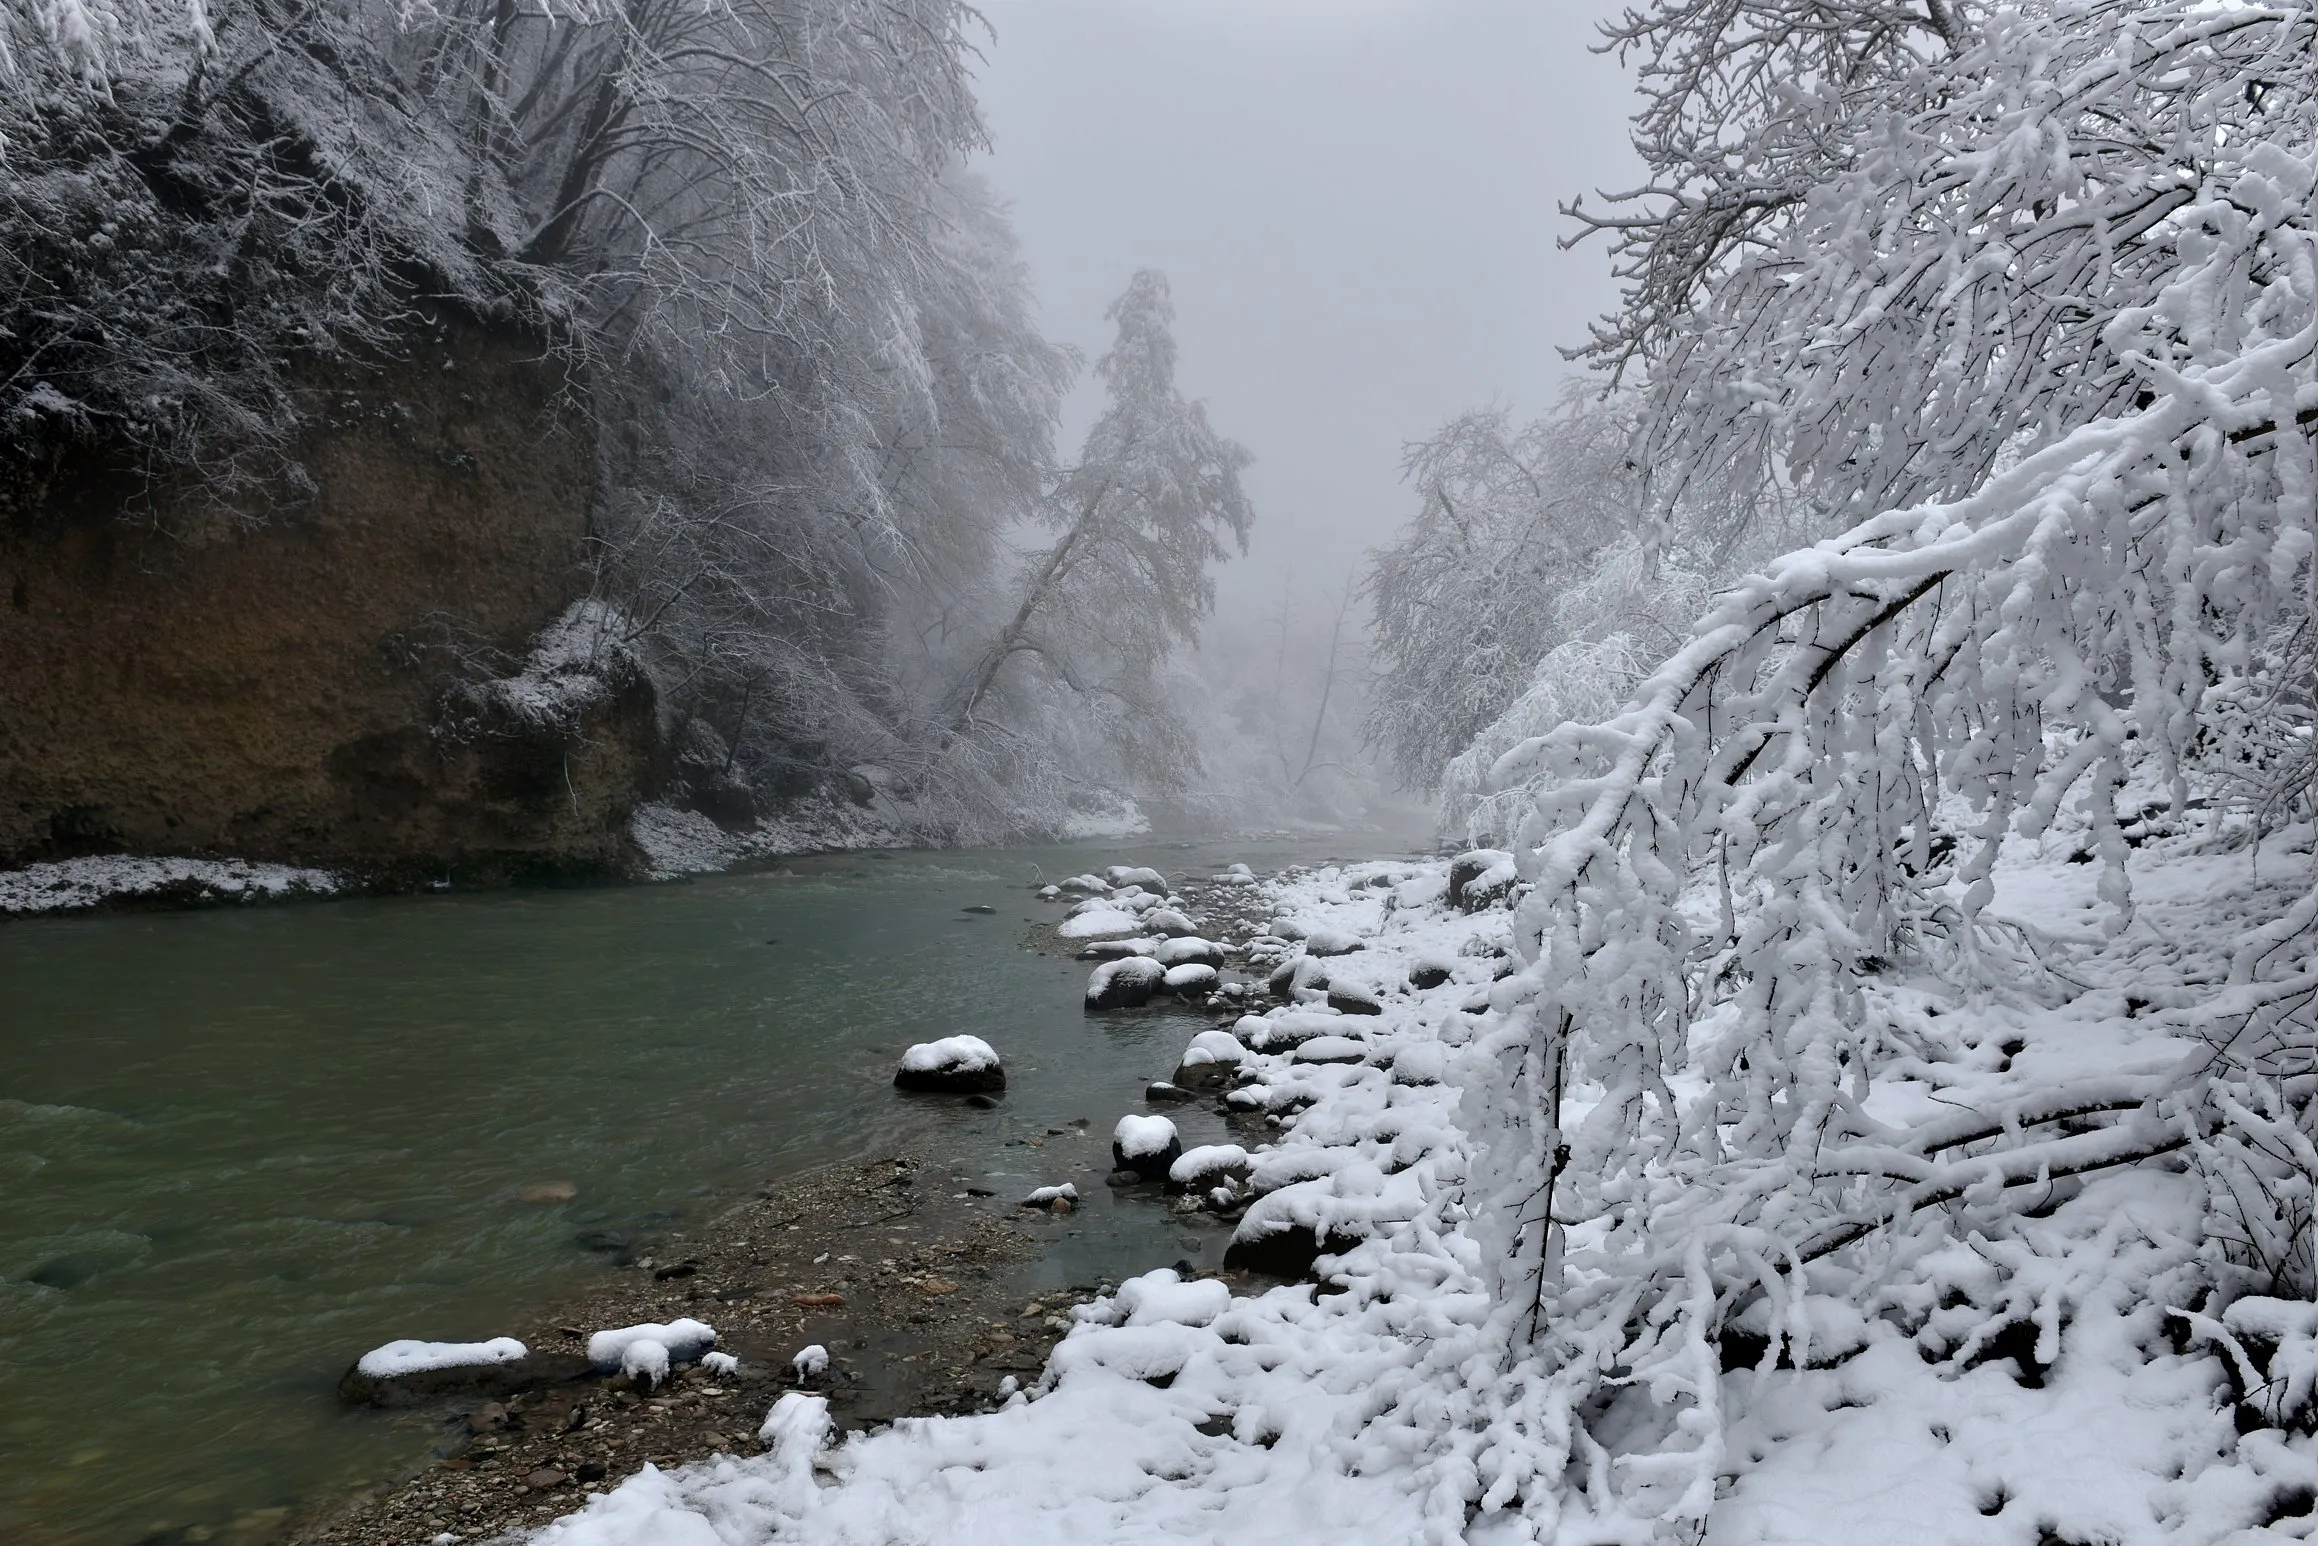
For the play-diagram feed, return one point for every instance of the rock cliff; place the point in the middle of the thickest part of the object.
(262, 674)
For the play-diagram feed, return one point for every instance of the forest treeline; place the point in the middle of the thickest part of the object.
(834, 528)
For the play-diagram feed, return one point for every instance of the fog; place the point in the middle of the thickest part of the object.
(1355, 201)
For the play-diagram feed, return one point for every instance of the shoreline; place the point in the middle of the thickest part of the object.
(930, 1320)
(926, 1320)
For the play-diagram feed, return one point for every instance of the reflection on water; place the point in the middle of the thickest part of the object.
(238, 1148)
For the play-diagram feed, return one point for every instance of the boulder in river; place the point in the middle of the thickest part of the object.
(1332, 942)
(1211, 1060)
(1166, 920)
(1189, 950)
(407, 1372)
(1145, 1145)
(955, 1065)
(1123, 875)
(1124, 983)
(1112, 949)
(1195, 1170)
(1192, 979)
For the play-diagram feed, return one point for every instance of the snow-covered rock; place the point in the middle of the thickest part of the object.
(1145, 1145)
(1210, 1163)
(1169, 921)
(1123, 875)
(1193, 979)
(1331, 942)
(1481, 877)
(1047, 1196)
(401, 1372)
(1124, 983)
(722, 1365)
(957, 1065)
(1188, 950)
(1084, 885)
(810, 1363)
(644, 1362)
(684, 1339)
(70, 885)
(1102, 923)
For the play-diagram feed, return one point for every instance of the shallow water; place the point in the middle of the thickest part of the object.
(238, 1148)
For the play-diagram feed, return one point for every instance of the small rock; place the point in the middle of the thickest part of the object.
(1331, 942)
(1163, 1093)
(1426, 978)
(542, 1193)
(817, 1301)
(977, 907)
(543, 1479)
(589, 1471)
(981, 1102)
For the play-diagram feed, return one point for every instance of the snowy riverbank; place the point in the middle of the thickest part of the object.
(1937, 1384)
(76, 885)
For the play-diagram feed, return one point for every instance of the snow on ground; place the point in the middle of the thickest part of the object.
(68, 885)
(1372, 1410)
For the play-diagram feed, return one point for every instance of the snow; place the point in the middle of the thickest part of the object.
(646, 1360)
(68, 885)
(1188, 949)
(1041, 1196)
(683, 1340)
(394, 1359)
(722, 1365)
(811, 1362)
(1137, 1136)
(951, 1054)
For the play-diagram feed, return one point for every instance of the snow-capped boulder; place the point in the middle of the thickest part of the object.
(683, 1340)
(1195, 1170)
(1130, 875)
(722, 1365)
(1211, 1059)
(955, 1065)
(1284, 1029)
(1428, 975)
(1084, 885)
(1285, 928)
(1125, 983)
(1166, 920)
(1189, 950)
(1192, 979)
(1299, 979)
(1236, 875)
(1145, 1145)
(1424, 1062)
(1332, 942)
(1480, 878)
(1162, 1092)
(1347, 997)
(1102, 923)
(1053, 1199)
(1113, 949)
(1330, 1049)
(407, 1371)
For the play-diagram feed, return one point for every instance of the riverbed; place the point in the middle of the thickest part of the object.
(239, 1147)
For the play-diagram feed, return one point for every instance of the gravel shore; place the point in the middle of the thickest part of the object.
(894, 1268)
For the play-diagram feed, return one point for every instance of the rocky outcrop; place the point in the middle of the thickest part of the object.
(263, 672)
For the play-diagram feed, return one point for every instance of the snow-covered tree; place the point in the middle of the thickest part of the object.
(1153, 501)
(2035, 294)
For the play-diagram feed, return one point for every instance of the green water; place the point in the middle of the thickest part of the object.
(238, 1148)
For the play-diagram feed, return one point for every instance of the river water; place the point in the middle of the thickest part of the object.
(239, 1147)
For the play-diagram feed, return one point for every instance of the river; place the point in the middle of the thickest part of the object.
(239, 1147)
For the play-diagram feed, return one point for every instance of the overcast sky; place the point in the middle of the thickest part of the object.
(1355, 201)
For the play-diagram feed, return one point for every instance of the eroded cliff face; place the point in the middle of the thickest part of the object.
(263, 678)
